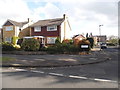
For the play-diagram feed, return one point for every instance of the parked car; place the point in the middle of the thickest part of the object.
(103, 45)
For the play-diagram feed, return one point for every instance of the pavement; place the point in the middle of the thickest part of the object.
(58, 60)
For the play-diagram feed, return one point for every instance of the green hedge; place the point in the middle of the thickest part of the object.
(62, 48)
(30, 45)
(6, 46)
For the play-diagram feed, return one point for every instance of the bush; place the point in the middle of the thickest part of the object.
(14, 39)
(68, 41)
(30, 45)
(62, 48)
(57, 41)
(6, 46)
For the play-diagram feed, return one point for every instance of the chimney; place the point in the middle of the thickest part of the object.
(28, 19)
(64, 16)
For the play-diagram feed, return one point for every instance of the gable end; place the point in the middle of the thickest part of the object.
(7, 23)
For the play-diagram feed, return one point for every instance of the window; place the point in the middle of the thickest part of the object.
(51, 40)
(8, 39)
(37, 29)
(52, 28)
(9, 28)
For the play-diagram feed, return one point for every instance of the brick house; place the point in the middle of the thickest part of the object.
(50, 29)
(78, 38)
(99, 38)
(12, 29)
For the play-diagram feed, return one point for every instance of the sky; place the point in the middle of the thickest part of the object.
(84, 16)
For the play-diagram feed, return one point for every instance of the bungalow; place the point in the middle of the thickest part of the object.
(12, 29)
(51, 29)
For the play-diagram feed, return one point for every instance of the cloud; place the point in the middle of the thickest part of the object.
(13, 9)
(49, 11)
(84, 16)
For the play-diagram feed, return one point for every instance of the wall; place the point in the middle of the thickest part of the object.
(8, 33)
(24, 32)
(46, 33)
(65, 30)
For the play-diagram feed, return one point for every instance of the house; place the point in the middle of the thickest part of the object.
(77, 38)
(1, 35)
(99, 38)
(51, 29)
(12, 29)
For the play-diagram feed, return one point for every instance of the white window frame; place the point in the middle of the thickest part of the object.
(37, 29)
(52, 28)
(8, 28)
(52, 41)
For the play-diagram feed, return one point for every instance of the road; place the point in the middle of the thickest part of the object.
(101, 75)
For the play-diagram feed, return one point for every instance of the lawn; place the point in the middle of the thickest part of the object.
(7, 59)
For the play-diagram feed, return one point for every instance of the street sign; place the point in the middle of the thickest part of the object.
(84, 46)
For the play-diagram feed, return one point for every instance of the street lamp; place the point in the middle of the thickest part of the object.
(100, 29)
(100, 35)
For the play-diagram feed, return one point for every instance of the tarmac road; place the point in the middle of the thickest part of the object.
(101, 75)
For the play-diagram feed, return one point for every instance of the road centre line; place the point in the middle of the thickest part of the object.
(21, 70)
(56, 74)
(103, 80)
(70, 76)
(37, 71)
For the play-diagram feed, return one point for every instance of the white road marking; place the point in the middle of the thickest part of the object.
(37, 71)
(104, 80)
(21, 70)
(71, 76)
(56, 74)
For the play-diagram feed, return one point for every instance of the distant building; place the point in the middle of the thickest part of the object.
(99, 38)
(77, 38)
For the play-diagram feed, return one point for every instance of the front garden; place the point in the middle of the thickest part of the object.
(66, 47)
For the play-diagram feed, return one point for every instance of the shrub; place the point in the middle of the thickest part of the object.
(62, 48)
(68, 41)
(14, 39)
(57, 41)
(30, 45)
(6, 46)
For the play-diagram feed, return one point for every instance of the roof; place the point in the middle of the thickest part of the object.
(48, 22)
(16, 23)
(99, 36)
(79, 35)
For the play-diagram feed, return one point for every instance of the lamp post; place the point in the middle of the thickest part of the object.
(100, 29)
(100, 35)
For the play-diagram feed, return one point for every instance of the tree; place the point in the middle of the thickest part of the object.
(91, 40)
(87, 35)
(14, 39)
